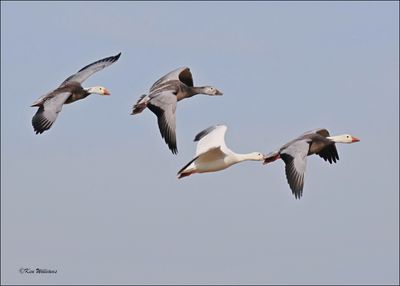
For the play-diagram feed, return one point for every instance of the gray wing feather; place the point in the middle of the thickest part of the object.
(321, 131)
(48, 112)
(182, 74)
(163, 105)
(295, 158)
(84, 73)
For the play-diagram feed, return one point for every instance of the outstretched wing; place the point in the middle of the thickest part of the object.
(212, 137)
(320, 131)
(329, 153)
(163, 105)
(295, 158)
(48, 112)
(90, 69)
(182, 74)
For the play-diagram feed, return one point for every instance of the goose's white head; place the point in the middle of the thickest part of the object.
(98, 90)
(345, 138)
(211, 90)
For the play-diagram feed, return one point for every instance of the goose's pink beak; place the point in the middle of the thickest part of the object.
(217, 92)
(271, 159)
(106, 92)
(354, 139)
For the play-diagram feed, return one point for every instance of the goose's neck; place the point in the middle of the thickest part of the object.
(197, 90)
(336, 139)
(91, 90)
(244, 157)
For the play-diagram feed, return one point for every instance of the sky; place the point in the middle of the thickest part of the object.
(97, 198)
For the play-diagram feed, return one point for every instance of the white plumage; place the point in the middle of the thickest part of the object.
(213, 155)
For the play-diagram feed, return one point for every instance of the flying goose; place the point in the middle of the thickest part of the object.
(69, 91)
(295, 153)
(212, 154)
(162, 99)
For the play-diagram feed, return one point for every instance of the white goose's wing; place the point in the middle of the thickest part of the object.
(211, 138)
(48, 111)
(210, 146)
(84, 73)
(182, 74)
(295, 158)
(163, 105)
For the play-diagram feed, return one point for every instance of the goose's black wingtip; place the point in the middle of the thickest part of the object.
(298, 194)
(38, 131)
(116, 57)
(113, 59)
(204, 132)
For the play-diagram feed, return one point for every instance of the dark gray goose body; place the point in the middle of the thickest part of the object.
(69, 91)
(163, 97)
(295, 152)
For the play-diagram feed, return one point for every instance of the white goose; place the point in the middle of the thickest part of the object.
(295, 153)
(69, 91)
(163, 97)
(212, 154)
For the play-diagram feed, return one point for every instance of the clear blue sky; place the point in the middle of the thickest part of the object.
(97, 198)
